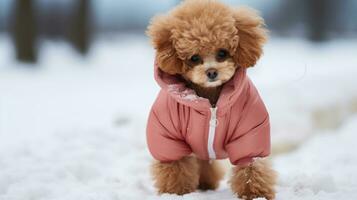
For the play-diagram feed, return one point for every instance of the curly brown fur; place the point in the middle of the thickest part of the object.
(178, 177)
(210, 175)
(212, 94)
(198, 25)
(253, 181)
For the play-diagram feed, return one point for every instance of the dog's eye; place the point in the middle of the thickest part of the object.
(195, 59)
(222, 54)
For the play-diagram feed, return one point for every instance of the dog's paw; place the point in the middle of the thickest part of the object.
(254, 181)
(179, 177)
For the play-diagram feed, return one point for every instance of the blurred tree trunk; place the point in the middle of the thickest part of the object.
(286, 17)
(24, 31)
(80, 27)
(318, 18)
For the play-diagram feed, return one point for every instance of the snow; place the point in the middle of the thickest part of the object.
(323, 168)
(307, 87)
(74, 128)
(184, 93)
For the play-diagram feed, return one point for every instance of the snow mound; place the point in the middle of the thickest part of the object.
(323, 168)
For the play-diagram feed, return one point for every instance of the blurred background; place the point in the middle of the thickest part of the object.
(76, 86)
(28, 23)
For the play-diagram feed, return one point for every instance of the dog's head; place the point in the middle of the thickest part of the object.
(204, 41)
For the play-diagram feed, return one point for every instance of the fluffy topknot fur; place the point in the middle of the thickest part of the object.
(198, 25)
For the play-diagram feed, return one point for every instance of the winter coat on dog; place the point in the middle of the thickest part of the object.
(181, 123)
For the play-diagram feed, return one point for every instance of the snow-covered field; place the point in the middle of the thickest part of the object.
(74, 128)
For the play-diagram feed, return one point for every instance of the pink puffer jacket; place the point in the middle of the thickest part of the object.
(181, 123)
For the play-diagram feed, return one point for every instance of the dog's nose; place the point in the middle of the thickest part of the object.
(212, 74)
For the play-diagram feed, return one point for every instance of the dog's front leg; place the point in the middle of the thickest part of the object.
(256, 180)
(178, 177)
(210, 174)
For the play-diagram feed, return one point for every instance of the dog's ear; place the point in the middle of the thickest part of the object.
(160, 33)
(252, 36)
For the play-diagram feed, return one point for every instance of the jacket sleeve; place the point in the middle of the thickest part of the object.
(251, 139)
(164, 141)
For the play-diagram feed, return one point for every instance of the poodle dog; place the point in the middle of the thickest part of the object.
(208, 108)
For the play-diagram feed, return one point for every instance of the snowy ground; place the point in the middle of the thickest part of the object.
(75, 128)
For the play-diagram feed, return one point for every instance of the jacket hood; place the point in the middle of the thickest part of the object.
(176, 88)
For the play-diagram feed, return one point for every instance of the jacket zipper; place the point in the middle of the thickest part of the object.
(211, 133)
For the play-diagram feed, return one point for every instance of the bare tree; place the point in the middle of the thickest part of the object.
(321, 18)
(24, 31)
(80, 27)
